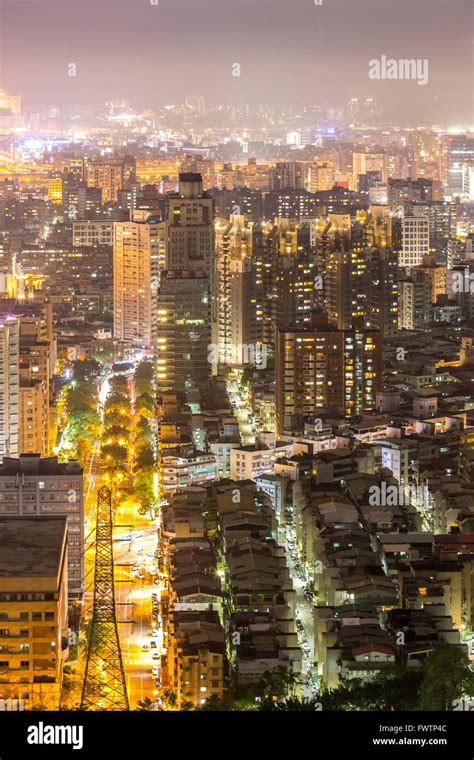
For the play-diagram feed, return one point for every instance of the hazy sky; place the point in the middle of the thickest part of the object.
(290, 52)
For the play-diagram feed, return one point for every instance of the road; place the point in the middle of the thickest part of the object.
(240, 400)
(133, 595)
(241, 407)
(303, 611)
(133, 598)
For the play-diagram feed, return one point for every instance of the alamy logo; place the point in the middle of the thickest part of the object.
(463, 282)
(393, 496)
(44, 734)
(403, 68)
(242, 353)
(11, 704)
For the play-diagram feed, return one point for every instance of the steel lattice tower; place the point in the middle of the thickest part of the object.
(104, 680)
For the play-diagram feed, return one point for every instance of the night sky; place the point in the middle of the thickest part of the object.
(291, 52)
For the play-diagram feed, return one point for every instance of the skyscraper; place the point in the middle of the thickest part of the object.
(415, 240)
(9, 386)
(321, 368)
(136, 258)
(183, 330)
(456, 150)
(110, 175)
(414, 310)
(358, 266)
(190, 231)
(187, 317)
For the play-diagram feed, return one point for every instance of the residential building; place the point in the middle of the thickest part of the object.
(33, 610)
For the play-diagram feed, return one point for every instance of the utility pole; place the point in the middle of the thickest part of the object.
(104, 680)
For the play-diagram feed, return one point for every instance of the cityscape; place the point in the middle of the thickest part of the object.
(236, 369)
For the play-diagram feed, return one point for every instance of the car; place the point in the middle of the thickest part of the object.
(153, 644)
(145, 647)
(155, 670)
(155, 656)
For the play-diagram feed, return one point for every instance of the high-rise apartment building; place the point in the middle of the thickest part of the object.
(287, 174)
(33, 610)
(183, 330)
(357, 265)
(243, 262)
(9, 386)
(136, 263)
(415, 241)
(442, 217)
(415, 300)
(205, 167)
(32, 438)
(420, 190)
(321, 368)
(92, 233)
(5, 255)
(37, 358)
(456, 150)
(190, 228)
(265, 280)
(33, 487)
(109, 175)
(186, 315)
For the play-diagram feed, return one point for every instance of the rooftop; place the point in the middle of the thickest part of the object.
(33, 464)
(31, 547)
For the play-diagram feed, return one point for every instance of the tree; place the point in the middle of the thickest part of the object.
(396, 688)
(114, 452)
(116, 430)
(291, 704)
(118, 384)
(145, 705)
(280, 683)
(446, 678)
(144, 378)
(86, 369)
(145, 459)
(215, 704)
(145, 403)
